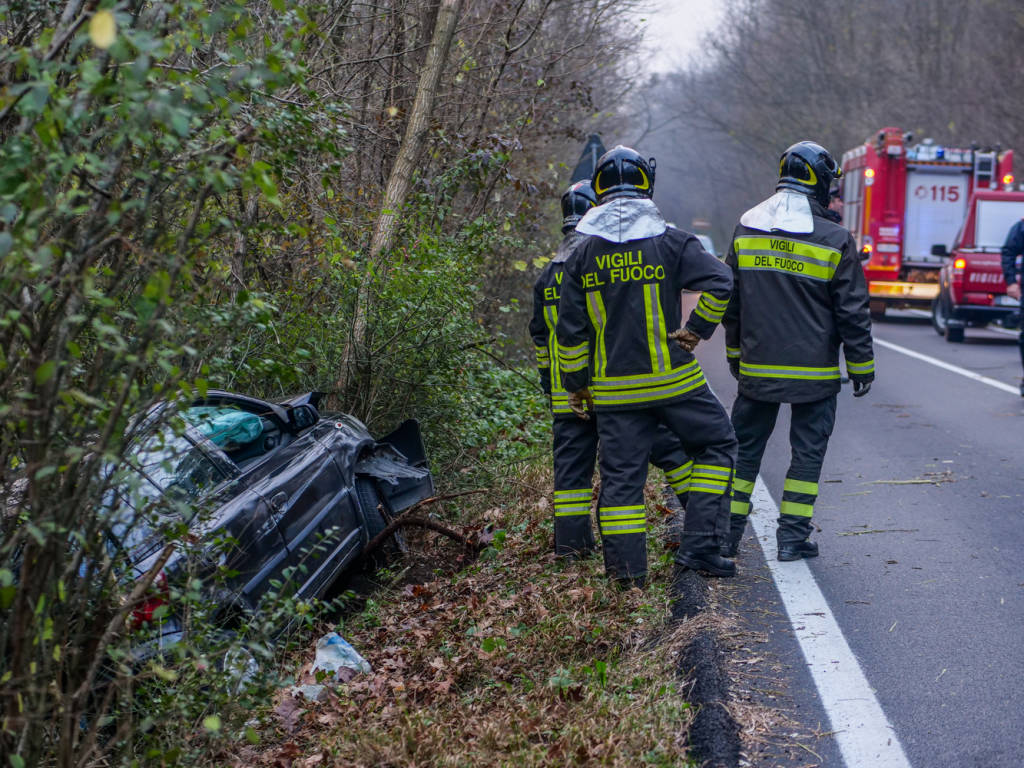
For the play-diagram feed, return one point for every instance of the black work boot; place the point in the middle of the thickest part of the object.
(792, 538)
(737, 524)
(705, 558)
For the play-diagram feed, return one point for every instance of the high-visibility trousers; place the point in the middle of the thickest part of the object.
(809, 430)
(705, 433)
(575, 454)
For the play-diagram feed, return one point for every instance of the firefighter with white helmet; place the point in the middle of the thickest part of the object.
(618, 312)
(799, 294)
(575, 440)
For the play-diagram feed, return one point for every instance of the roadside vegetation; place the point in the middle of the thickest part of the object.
(268, 198)
(515, 659)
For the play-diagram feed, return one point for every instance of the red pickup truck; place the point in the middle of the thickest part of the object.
(971, 288)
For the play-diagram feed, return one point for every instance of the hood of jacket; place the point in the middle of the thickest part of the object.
(567, 246)
(623, 219)
(786, 210)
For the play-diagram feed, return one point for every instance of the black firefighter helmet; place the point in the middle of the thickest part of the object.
(809, 168)
(577, 200)
(622, 172)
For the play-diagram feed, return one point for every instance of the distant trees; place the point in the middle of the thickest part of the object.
(777, 71)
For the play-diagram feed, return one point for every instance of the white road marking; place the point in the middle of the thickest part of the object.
(864, 735)
(948, 366)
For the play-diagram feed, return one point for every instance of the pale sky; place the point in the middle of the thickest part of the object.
(674, 29)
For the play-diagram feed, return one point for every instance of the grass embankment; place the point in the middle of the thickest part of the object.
(517, 659)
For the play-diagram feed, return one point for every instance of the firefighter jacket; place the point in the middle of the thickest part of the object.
(621, 298)
(546, 292)
(1012, 248)
(799, 292)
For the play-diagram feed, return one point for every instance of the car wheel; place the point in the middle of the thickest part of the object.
(376, 517)
(940, 315)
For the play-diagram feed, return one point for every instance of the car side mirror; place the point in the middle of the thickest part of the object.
(303, 416)
(939, 249)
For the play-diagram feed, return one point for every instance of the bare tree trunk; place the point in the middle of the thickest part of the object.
(401, 174)
(416, 128)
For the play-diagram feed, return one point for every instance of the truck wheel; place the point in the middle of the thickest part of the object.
(877, 309)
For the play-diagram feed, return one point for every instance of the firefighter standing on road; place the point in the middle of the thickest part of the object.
(620, 293)
(799, 292)
(1012, 248)
(575, 440)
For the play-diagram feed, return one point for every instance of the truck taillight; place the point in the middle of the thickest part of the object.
(869, 173)
(959, 263)
(867, 249)
(1008, 178)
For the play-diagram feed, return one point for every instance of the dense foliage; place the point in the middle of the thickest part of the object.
(187, 192)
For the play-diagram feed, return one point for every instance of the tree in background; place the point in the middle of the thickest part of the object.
(778, 71)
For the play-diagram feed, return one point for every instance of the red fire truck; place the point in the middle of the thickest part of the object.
(905, 203)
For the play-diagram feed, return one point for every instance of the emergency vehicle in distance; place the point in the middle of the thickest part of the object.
(905, 205)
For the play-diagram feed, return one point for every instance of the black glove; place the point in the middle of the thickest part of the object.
(734, 367)
(860, 387)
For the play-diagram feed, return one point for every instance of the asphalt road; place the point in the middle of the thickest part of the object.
(922, 549)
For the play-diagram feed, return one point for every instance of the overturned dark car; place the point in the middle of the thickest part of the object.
(288, 500)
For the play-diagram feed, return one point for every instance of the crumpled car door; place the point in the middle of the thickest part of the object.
(314, 512)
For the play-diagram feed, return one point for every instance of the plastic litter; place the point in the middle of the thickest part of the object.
(335, 656)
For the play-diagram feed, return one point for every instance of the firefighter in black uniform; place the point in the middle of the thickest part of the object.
(798, 293)
(1011, 250)
(575, 440)
(619, 305)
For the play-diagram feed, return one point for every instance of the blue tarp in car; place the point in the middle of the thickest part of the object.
(224, 426)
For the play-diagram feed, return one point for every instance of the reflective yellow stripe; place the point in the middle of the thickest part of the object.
(710, 308)
(788, 371)
(788, 247)
(794, 508)
(742, 485)
(598, 318)
(780, 254)
(630, 518)
(860, 368)
(573, 493)
(683, 470)
(572, 359)
(714, 302)
(800, 486)
(739, 507)
(657, 341)
(543, 357)
(732, 352)
(642, 388)
(621, 509)
(557, 390)
(572, 512)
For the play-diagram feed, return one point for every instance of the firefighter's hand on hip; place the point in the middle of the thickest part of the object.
(685, 338)
(1013, 290)
(577, 401)
(861, 387)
